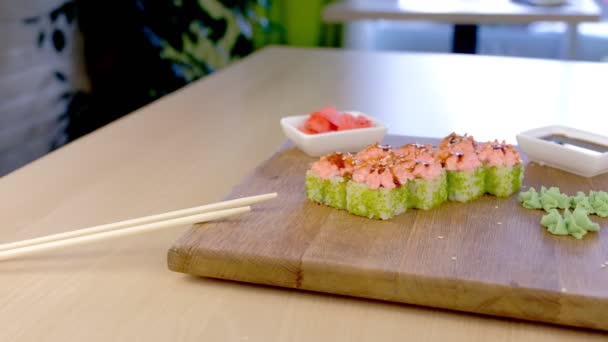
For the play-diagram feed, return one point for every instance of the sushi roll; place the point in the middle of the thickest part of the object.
(465, 172)
(428, 186)
(380, 182)
(326, 180)
(504, 168)
(373, 191)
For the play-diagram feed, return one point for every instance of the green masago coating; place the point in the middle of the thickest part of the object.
(503, 181)
(375, 203)
(530, 199)
(401, 196)
(555, 223)
(331, 192)
(465, 186)
(552, 198)
(315, 188)
(599, 202)
(427, 193)
(335, 193)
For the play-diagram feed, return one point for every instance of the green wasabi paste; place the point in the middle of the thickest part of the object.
(575, 223)
(581, 200)
(573, 227)
(580, 216)
(530, 199)
(599, 202)
(555, 223)
(552, 198)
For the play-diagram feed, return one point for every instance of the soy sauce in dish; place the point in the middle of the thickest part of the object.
(575, 143)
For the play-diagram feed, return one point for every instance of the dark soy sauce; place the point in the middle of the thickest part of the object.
(575, 143)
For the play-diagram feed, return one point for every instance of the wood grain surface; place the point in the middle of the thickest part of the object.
(490, 256)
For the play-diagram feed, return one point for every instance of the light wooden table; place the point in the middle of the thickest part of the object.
(192, 146)
(467, 14)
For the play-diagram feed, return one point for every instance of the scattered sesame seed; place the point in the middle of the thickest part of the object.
(603, 266)
(499, 222)
(440, 237)
(563, 289)
(496, 207)
(453, 258)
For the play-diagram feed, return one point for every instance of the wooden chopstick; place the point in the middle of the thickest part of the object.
(198, 218)
(244, 201)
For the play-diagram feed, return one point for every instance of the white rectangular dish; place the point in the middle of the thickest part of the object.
(566, 148)
(545, 2)
(316, 145)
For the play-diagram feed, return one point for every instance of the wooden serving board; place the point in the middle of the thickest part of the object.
(490, 256)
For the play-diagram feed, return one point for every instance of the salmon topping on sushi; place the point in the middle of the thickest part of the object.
(402, 170)
(375, 176)
(458, 153)
(426, 167)
(374, 152)
(420, 160)
(336, 164)
(462, 143)
(413, 150)
(458, 161)
(379, 167)
(499, 154)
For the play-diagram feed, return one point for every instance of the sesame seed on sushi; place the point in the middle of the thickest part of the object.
(374, 152)
(413, 150)
(504, 168)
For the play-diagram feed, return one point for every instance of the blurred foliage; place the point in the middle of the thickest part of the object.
(139, 50)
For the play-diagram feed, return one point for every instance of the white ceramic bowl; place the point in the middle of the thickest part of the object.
(352, 140)
(566, 154)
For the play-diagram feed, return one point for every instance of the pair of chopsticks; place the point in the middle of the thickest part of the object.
(170, 219)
